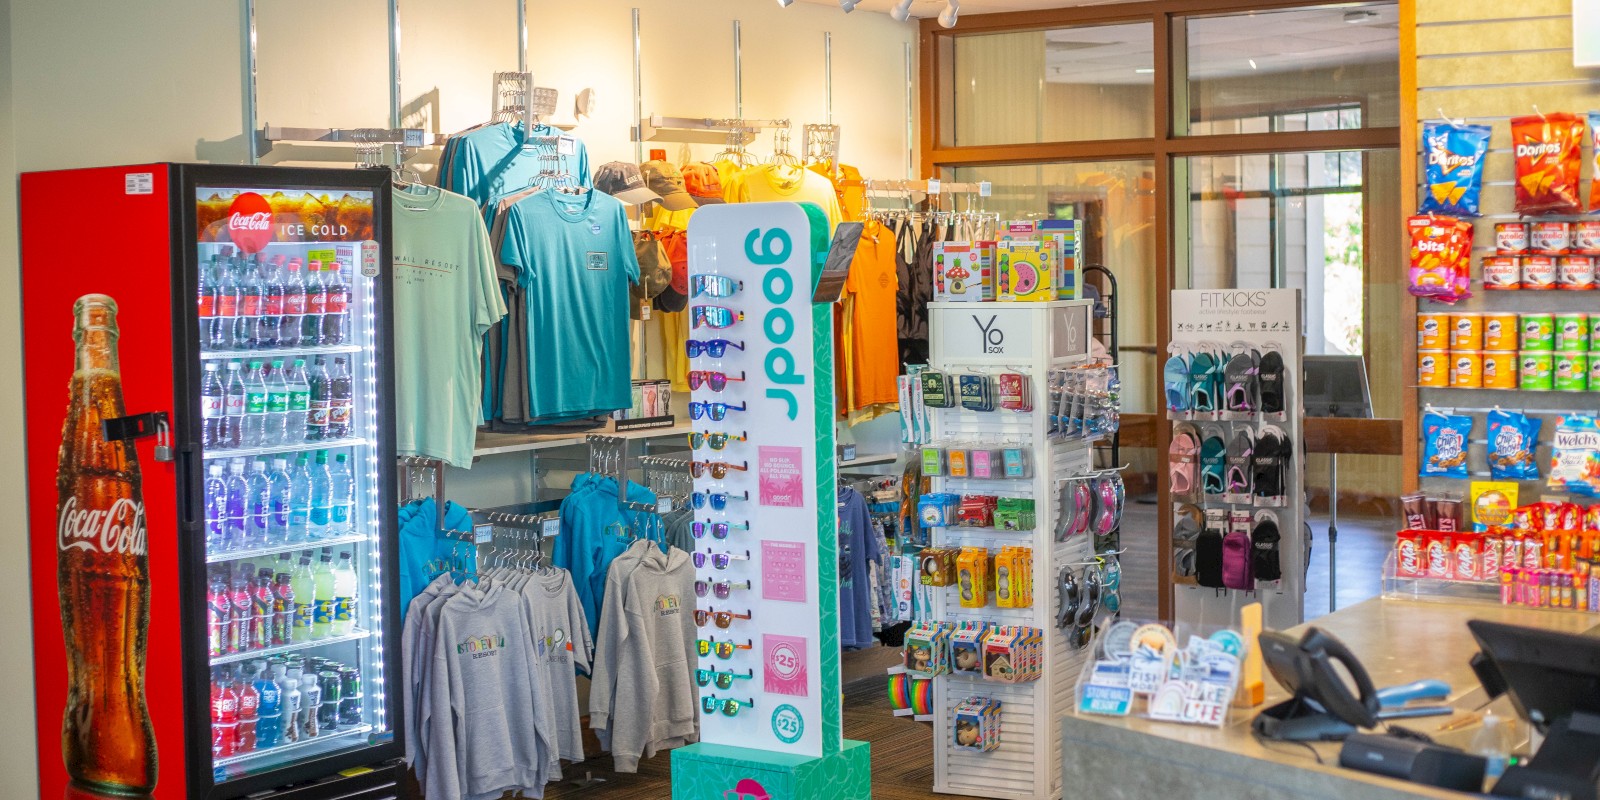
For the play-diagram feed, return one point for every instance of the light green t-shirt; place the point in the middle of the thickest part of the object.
(445, 298)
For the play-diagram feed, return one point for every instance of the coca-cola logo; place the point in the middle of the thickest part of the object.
(250, 222)
(119, 529)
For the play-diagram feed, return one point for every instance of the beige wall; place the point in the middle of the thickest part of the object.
(85, 83)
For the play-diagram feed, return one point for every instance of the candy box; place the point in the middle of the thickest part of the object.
(1438, 546)
(1410, 555)
(1491, 558)
(1466, 556)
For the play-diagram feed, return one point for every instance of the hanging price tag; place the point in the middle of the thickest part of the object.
(985, 188)
(933, 186)
(566, 146)
(550, 528)
(482, 534)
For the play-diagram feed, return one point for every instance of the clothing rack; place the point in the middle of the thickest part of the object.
(701, 130)
(820, 144)
(668, 477)
(608, 455)
(429, 470)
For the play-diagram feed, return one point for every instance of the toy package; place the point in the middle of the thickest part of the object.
(1014, 514)
(1013, 654)
(1024, 268)
(957, 274)
(977, 724)
(938, 509)
(1454, 168)
(1548, 150)
(976, 510)
(927, 650)
(972, 576)
(977, 392)
(1575, 457)
(1441, 258)
(1066, 234)
(933, 460)
(966, 649)
(1512, 439)
(960, 462)
(1444, 445)
(1013, 577)
(938, 566)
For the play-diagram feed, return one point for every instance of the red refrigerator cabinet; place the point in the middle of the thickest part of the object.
(211, 495)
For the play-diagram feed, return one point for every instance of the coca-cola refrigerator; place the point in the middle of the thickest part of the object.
(211, 486)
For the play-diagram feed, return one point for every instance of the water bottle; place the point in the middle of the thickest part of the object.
(342, 497)
(231, 430)
(1490, 742)
(237, 492)
(278, 501)
(216, 494)
(259, 506)
(255, 407)
(277, 405)
(299, 402)
(299, 501)
(320, 496)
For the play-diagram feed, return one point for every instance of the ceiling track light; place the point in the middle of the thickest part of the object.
(848, 5)
(785, 3)
(947, 17)
(901, 11)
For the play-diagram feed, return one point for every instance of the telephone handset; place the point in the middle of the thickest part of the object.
(1322, 708)
(1360, 710)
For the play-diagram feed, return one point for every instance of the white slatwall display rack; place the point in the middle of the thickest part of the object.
(1256, 318)
(1031, 338)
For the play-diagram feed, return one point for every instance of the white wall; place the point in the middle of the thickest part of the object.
(85, 83)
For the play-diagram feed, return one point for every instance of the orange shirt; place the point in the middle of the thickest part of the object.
(873, 285)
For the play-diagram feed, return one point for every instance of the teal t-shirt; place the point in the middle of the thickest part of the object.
(445, 298)
(574, 259)
(491, 161)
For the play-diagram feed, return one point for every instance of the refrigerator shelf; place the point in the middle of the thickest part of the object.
(354, 635)
(359, 730)
(279, 352)
(307, 244)
(285, 449)
(257, 552)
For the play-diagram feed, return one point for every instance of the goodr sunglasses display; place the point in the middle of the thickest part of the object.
(724, 619)
(715, 285)
(730, 707)
(716, 380)
(717, 440)
(718, 560)
(716, 411)
(714, 317)
(721, 589)
(723, 680)
(716, 348)
(717, 500)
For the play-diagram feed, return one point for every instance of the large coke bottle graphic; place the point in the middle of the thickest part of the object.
(103, 572)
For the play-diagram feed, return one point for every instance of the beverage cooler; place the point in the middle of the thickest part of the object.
(211, 494)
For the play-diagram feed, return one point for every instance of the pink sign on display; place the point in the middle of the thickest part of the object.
(783, 571)
(784, 664)
(781, 471)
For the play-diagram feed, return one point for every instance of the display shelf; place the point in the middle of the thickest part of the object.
(285, 449)
(869, 460)
(493, 444)
(303, 744)
(257, 552)
(353, 636)
(1451, 590)
(278, 352)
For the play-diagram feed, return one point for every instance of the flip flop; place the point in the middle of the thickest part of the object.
(1176, 375)
(1213, 458)
(1243, 386)
(1202, 394)
(1183, 457)
(1270, 376)
(1240, 451)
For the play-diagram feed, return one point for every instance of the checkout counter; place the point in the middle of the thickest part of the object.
(1398, 641)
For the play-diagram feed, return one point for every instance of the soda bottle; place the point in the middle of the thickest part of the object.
(227, 308)
(344, 596)
(341, 402)
(240, 613)
(299, 403)
(258, 504)
(211, 406)
(278, 502)
(322, 613)
(336, 321)
(244, 329)
(328, 709)
(349, 696)
(270, 323)
(233, 401)
(249, 712)
(216, 495)
(206, 305)
(270, 711)
(255, 406)
(341, 497)
(218, 616)
(291, 703)
(310, 701)
(237, 492)
(294, 306)
(262, 597)
(282, 609)
(224, 714)
(321, 496)
(301, 585)
(277, 428)
(321, 394)
(299, 501)
(316, 306)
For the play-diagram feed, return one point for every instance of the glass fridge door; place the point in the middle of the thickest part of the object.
(289, 398)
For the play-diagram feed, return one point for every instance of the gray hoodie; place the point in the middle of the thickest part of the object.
(603, 667)
(653, 649)
(491, 725)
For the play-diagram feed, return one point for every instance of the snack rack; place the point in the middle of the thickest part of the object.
(1031, 338)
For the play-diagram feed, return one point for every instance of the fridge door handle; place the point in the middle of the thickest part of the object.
(188, 500)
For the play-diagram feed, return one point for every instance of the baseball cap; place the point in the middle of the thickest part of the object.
(623, 181)
(655, 271)
(676, 296)
(666, 181)
(703, 183)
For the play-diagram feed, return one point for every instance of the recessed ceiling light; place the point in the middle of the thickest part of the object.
(1252, 63)
(1359, 16)
(1144, 70)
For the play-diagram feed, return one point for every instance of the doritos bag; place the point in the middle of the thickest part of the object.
(1548, 150)
(1455, 167)
(1441, 257)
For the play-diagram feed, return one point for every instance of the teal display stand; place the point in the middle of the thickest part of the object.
(719, 772)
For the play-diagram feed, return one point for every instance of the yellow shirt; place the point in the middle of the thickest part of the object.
(772, 183)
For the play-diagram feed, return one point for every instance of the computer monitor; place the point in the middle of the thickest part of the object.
(1336, 386)
(1553, 680)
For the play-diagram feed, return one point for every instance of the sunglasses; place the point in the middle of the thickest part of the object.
(715, 286)
(716, 348)
(730, 707)
(724, 680)
(718, 469)
(722, 650)
(718, 560)
(724, 619)
(714, 317)
(718, 530)
(720, 588)
(717, 500)
(717, 440)
(716, 411)
(716, 380)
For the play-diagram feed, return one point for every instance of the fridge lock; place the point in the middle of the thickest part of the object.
(135, 426)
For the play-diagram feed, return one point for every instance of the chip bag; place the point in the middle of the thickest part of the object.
(1594, 179)
(1512, 439)
(1444, 445)
(1575, 457)
(1441, 257)
(1548, 150)
(1455, 167)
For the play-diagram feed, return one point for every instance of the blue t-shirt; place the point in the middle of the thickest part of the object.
(857, 547)
(574, 258)
(491, 161)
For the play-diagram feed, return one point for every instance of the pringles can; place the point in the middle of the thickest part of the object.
(1499, 370)
(1536, 372)
(1571, 333)
(1571, 372)
(1538, 332)
(1466, 369)
(1433, 368)
(1500, 333)
(1433, 331)
(1466, 331)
